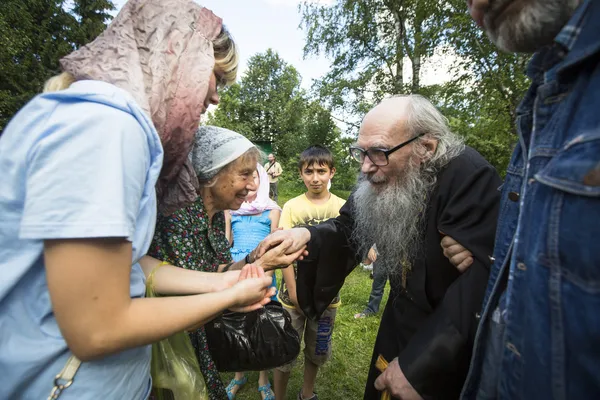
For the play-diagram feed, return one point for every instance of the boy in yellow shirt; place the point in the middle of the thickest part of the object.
(316, 169)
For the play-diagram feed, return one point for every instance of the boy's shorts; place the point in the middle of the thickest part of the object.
(317, 336)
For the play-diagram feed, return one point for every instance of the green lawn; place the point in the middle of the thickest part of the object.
(345, 375)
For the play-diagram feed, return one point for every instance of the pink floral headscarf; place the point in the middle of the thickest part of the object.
(262, 202)
(161, 52)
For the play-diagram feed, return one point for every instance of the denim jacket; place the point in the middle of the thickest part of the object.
(545, 277)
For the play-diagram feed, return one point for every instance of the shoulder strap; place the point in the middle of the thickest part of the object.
(65, 378)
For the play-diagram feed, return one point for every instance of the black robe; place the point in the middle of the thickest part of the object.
(429, 325)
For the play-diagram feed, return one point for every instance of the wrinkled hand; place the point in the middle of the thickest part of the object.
(252, 289)
(299, 237)
(459, 256)
(279, 256)
(393, 380)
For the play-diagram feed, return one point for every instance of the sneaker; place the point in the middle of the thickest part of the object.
(313, 397)
(363, 314)
(368, 267)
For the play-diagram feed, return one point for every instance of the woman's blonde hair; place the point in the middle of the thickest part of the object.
(59, 82)
(226, 56)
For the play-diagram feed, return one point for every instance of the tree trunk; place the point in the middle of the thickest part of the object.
(416, 57)
(399, 62)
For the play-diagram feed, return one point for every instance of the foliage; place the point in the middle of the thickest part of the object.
(92, 16)
(35, 35)
(369, 41)
(269, 104)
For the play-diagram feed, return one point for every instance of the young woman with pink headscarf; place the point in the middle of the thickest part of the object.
(248, 226)
(78, 202)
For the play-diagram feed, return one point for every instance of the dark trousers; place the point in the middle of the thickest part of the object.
(379, 280)
(273, 190)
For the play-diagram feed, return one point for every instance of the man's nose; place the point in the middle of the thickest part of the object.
(368, 166)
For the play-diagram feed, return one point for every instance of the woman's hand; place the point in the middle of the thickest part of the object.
(280, 256)
(252, 291)
(295, 239)
(227, 280)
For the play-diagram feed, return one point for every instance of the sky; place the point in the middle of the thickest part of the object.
(258, 25)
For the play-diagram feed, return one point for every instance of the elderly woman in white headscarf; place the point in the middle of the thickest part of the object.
(194, 237)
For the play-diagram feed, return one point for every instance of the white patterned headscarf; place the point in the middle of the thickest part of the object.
(214, 148)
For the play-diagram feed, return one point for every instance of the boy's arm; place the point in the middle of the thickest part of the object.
(228, 233)
(289, 277)
(274, 216)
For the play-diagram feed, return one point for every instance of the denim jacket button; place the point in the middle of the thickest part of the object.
(513, 196)
(492, 259)
(477, 316)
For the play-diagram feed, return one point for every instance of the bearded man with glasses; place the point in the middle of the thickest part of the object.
(418, 183)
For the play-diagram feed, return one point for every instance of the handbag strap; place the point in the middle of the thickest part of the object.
(65, 378)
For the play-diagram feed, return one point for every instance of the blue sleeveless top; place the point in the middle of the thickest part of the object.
(248, 231)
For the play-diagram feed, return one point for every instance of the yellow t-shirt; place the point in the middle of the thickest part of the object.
(300, 211)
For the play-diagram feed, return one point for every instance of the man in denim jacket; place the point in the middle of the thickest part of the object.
(539, 333)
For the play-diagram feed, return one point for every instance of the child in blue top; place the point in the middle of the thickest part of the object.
(257, 218)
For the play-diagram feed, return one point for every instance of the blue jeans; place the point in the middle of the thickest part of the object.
(379, 280)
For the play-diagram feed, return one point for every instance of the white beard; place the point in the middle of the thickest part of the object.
(392, 217)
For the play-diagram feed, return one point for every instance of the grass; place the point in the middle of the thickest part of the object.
(345, 375)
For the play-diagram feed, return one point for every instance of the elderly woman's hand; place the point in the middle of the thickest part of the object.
(297, 238)
(252, 290)
(280, 256)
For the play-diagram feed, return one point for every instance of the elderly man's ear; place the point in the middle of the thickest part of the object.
(430, 146)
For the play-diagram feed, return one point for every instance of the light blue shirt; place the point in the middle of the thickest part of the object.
(79, 163)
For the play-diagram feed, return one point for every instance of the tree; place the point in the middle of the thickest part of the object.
(369, 41)
(269, 104)
(36, 34)
(482, 100)
(93, 16)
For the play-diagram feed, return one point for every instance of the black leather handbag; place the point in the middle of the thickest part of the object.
(254, 341)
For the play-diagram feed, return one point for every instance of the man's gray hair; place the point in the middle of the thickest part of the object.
(424, 118)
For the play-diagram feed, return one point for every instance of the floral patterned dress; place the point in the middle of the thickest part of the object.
(186, 239)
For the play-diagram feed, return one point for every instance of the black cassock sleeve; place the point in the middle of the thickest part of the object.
(331, 258)
(442, 346)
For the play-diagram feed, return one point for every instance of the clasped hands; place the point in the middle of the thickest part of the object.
(281, 248)
(277, 250)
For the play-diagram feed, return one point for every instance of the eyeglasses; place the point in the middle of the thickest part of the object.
(379, 157)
